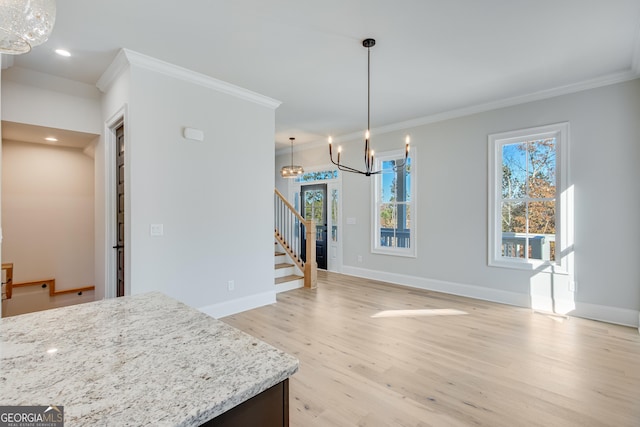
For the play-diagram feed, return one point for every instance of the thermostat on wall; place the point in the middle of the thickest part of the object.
(193, 134)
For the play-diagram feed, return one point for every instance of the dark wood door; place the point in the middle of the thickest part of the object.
(313, 199)
(119, 247)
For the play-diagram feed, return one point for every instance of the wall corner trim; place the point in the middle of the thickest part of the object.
(635, 61)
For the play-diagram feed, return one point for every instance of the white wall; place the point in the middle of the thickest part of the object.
(452, 203)
(47, 213)
(214, 198)
(39, 99)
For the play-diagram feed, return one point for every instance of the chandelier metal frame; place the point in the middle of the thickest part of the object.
(369, 159)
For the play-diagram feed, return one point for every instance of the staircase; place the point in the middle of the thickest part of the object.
(287, 274)
(294, 236)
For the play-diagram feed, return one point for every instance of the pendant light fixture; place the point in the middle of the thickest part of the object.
(25, 24)
(292, 170)
(368, 151)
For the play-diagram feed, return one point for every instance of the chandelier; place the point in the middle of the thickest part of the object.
(291, 171)
(25, 24)
(368, 152)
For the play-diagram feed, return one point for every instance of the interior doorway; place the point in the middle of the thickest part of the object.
(53, 246)
(119, 202)
(313, 202)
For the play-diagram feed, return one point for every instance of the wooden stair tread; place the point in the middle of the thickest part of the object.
(283, 265)
(279, 253)
(289, 278)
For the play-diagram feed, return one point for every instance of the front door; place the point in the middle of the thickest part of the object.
(313, 200)
(119, 247)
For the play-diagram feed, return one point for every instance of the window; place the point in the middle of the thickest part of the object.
(527, 177)
(317, 176)
(394, 206)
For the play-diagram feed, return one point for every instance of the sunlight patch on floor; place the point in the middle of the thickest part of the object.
(553, 316)
(420, 313)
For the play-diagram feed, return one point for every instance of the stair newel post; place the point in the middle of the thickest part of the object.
(311, 266)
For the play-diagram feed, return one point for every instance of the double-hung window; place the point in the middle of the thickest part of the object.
(394, 205)
(527, 196)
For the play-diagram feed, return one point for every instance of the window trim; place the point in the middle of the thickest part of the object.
(412, 251)
(563, 200)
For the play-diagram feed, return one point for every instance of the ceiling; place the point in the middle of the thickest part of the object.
(432, 56)
(38, 134)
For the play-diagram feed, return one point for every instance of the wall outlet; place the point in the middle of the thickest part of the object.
(573, 286)
(231, 285)
(359, 258)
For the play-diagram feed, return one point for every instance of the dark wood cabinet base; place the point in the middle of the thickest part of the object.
(268, 409)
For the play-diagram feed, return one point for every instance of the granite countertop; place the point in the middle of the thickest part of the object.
(134, 361)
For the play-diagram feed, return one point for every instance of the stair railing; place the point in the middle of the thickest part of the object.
(297, 236)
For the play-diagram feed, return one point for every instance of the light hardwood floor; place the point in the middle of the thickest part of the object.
(496, 365)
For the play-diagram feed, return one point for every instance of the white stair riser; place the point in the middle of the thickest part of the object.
(281, 272)
(292, 270)
(287, 286)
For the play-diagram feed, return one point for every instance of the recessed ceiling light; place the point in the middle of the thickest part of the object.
(63, 52)
(52, 139)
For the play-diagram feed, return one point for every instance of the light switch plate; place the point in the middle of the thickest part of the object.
(156, 230)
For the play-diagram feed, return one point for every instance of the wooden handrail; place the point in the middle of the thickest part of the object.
(290, 206)
(287, 233)
(51, 284)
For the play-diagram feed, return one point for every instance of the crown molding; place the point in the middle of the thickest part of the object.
(128, 57)
(513, 101)
(490, 106)
(117, 67)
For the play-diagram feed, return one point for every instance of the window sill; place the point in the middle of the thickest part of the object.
(538, 267)
(392, 252)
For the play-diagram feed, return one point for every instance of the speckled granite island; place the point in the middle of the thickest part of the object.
(137, 361)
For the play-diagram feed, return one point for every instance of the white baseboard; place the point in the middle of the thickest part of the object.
(471, 291)
(619, 316)
(227, 308)
(602, 313)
